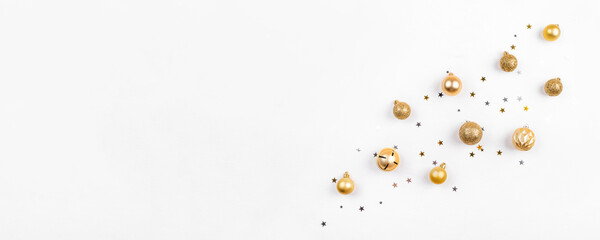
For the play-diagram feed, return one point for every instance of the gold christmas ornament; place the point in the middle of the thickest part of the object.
(438, 175)
(551, 32)
(401, 110)
(553, 87)
(345, 185)
(523, 139)
(387, 159)
(470, 133)
(451, 85)
(508, 62)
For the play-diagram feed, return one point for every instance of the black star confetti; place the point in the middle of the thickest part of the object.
(472, 154)
(515, 35)
(499, 152)
(374, 154)
(440, 94)
(459, 110)
(487, 103)
(505, 99)
(454, 189)
(341, 206)
(521, 162)
(323, 223)
(434, 162)
(395, 146)
(472, 94)
(483, 79)
(361, 208)
(380, 202)
(422, 154)
(426, 97)
(418, 124)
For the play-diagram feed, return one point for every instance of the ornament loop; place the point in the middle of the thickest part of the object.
(443, 165)
(346, 175)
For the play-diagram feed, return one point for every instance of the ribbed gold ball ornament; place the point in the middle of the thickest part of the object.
(470, 133)
(523, 139)
(387, 159)
(553, 87)
(508, 62)
(551, 32)
(345, 185)
(451, 85)
(438, 175)
(401, 110)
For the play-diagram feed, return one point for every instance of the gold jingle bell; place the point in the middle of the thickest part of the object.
(387, 159)
(345, 185)
(553, 87)
(401, 110)
(451, 85)
(523, 139)
(470, 133)
(508, 62)
(551, 32)
(438, 175)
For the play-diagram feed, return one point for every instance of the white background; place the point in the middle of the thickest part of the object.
(227, 119)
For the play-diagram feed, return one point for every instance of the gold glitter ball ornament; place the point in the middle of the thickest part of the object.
(553, 87)
(451, 85)
(551, 32)
(523, 139)
(401, 110)
(508, 62)
(345, 185)
(387, 159)
(438, 175)
(470, 133)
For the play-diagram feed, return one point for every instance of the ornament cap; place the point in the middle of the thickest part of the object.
(450, 74)
(443, 165)
(346, 175)
(396, 102)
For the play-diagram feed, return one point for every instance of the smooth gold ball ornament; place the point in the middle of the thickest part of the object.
(438, 175)
(451, 85)
(551, 32)
(470, 133)
(387, 159)
(553, 87)
(345, 185)
(523, 139)
(401, 110)
(508, 62)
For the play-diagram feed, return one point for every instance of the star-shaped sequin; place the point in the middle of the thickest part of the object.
(502, 110)
(512, 47)
(422, 154)
(374, 154)
(333, 180)
(519, 98)
(479, 147)
(395, 185)
(472, 94)
(426, 97)
(440, 94)
(323, 223)
(487, 103)
(505, 99)
(434, 162)
(521, 162)
(418, 124)
(525, 108)
(361, 208)
(472, 154)
(454, 189)
(483, 79)
(528, 26)
(408, 180)
(395, 146)
(440, 142)
(499, 152)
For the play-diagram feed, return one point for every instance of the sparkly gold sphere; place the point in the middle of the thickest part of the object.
(551, 32)
(387, 159)
(451, 85)
(438, 175)
(401, 110)
(508, 62)
(523, 139)
(553, 87)
(345, 185)
(470, 133)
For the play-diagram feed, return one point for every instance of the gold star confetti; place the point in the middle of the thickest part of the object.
(472, 154)
(422, 154)
(479, 147)
(333, 180)
(426, 97)
(472, 94)
(483, 79)
(502, 110)
(528, 26)
(499, 152)
(525, 108)
(440, 142)
(512, 47)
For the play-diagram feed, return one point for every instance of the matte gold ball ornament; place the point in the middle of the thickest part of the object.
(345, 185)
(438, 174)
(401, 110)
(508, 62)
(451, 85)
(551, 32)
(470, 133)
(523, 139)
(387, 159)
(553, 87)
